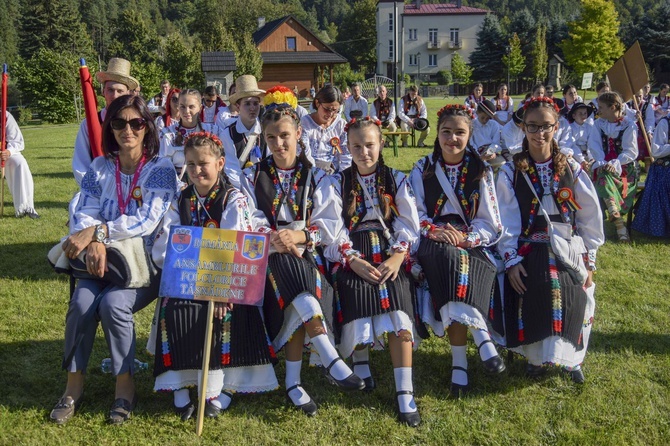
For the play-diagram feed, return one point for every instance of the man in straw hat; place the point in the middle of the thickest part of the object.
(242, 139)
(116, 82)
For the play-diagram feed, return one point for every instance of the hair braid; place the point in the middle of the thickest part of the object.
(382, 171)
(353, 194)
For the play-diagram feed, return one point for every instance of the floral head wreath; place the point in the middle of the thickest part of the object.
(211, 136)
(280, 95)
(353, 121)
(544, 100)
(456, 107)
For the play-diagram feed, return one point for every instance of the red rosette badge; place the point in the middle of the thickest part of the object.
(565, 196)
(335, 143)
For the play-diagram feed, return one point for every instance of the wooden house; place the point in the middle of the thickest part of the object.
(294, 56)
(218, 67)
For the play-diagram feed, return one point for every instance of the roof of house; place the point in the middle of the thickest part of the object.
(330, 56)
(302, 57)
(441, 9)
(218, 61)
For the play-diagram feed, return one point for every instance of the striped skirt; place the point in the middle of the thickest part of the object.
(239, 340)
(290, 276)
(553, 305)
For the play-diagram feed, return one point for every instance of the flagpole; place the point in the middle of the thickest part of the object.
(3, 136)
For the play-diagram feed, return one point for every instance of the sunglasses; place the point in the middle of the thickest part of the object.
(330, 110)
(136, 124)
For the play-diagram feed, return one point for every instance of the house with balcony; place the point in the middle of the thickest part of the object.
(426, 36)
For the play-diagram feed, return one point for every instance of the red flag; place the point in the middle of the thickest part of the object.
(91, 109)
(3, 118)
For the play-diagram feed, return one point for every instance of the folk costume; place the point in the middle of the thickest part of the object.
(409, 110)
(326, 146)
(384, 111)
(504, 107)
(365, 312)
(461, 281)
(512, 136)
(211, 113)
(235, 138)
(172, 140)
(615, 143)
(652, 216)
(297, 289)
(242, 357)
(471, 102)
(355, 108)
(19, 178)
(551, 322)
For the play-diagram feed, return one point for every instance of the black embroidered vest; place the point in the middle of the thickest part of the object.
(265, 191)
(382, 109)
(617, 144)
(240, 140)
(347, 185)
(216, 207)
(433, 189)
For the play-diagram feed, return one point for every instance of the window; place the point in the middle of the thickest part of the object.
(432, 35)
(291, 44)
(390, 21)
(453, 33)
(391, 52)
(412, 34)
(432, 60)
(412, 60)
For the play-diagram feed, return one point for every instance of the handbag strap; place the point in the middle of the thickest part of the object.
(449, 191)
(305, 195)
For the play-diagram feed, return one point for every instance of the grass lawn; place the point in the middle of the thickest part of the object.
(626, 399)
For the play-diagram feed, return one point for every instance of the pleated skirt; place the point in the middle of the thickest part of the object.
(553, 305)
(239, 340)
(457, 275)
(653, 213)
(290, 276)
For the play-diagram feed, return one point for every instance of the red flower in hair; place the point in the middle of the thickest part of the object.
(544, 100)
(211, 136)
(353, 121)
(456, 107)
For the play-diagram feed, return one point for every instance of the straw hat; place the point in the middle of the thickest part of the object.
(246, 86)
(118, 70)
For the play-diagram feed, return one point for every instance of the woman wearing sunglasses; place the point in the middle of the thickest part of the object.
(323, 132)
(124, 194)
(171, 110)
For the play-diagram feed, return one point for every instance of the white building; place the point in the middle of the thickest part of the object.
(427, 35)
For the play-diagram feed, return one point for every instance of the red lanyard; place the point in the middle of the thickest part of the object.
(123, 203)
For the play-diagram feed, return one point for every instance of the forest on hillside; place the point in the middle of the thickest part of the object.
(164, 38)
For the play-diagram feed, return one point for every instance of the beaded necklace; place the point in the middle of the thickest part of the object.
(280, 193)
(200, 211)
(360, 201)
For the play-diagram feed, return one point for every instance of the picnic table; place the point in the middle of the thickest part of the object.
(394, 138)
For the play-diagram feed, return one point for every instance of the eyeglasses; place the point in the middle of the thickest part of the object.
(136, 124)
(330, 110)
(534, 128)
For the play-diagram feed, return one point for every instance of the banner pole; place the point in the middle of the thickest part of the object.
(202, 400)
(637, 107)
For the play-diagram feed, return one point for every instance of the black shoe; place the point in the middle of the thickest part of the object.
(186, 412)
(412, 419)
(494, 364)
(121, 410)
(309, 408)
(577, 376)
(32, 214)
(211, 411)
(459, 390)
(370, 383)
(351, 382)
(535, 371)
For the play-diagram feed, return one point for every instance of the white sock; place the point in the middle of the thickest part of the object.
(459, 358)
(297, 395)
(403, 381)
(181, 398)
(328, 354)
(222, 401)
(487, 350)
(363, 370)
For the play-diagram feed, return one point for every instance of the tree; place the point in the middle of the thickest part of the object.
(539, 54)
(357, 38)
(514, 60)
(182, 62)
(134, 38)
(485, 59)
(9, 37)
(593, 42)
(461, 73)
(654, 36)
(248, 58)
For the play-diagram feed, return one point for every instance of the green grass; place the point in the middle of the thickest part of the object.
(626, 399)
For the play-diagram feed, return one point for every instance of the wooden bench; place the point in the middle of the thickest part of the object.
(394, 138)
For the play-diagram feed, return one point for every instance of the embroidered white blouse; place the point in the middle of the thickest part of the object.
(486, 227)
(317, 141)
(611, 129)
(660, 147)
(483, 134)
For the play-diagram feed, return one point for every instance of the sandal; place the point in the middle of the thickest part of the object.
(121, 410)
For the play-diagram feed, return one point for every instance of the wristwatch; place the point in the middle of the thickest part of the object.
(99, 235)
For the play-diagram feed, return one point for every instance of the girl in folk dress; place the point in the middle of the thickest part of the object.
(504, 105)
(548, 314)
(613, 145)
(242, 357)
(378, 227)
(290, 198)
(171, 110)
(459, 217)
(476, 98)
